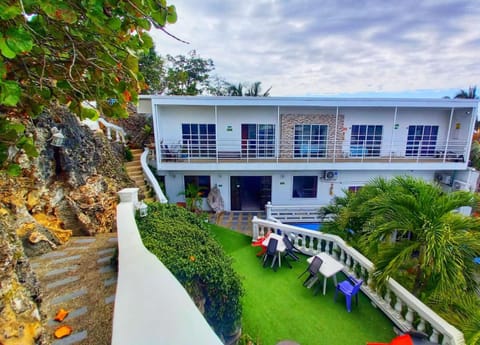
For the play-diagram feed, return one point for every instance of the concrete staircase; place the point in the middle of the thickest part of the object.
(134, 171)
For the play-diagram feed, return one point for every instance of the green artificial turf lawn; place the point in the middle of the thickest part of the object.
(276, 305)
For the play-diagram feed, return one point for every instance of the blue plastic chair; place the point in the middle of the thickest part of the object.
(349, 288)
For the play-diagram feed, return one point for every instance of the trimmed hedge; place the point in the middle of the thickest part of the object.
(180, 239)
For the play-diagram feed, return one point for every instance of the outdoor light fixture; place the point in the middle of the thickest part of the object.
(58, 139)
(142, 208)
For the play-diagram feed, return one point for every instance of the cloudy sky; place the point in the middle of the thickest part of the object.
(418, 48)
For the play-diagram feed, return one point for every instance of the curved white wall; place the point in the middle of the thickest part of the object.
(151, 306)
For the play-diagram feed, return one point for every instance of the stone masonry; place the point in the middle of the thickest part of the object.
(287, 136)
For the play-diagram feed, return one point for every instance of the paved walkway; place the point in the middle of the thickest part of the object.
(239, 221)
(78, 277)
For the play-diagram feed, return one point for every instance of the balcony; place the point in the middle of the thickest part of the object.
(262, 151)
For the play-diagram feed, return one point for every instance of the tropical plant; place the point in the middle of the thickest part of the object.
(193, 197)
(253, 90)
(180, 239)
(413, 233)
(432, 242)
(470, 94)
(70, 51)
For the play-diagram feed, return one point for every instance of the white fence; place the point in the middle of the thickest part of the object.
(403, 308)
(291, 214)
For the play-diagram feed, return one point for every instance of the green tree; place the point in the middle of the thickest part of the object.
(235, 90)
(68, 51)
(188, 75)
(470, 94)
(252, 90)
(152, 67)
(193, 197)
(255, 90)
(434, 245)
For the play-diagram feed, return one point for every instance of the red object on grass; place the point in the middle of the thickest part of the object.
(403, 339)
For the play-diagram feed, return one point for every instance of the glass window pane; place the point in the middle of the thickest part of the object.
(304, 187)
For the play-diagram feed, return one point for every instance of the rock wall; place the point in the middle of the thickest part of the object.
(65, 191)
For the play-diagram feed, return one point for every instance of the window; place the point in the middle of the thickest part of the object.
(354, 189)
(310, 141)
(202, 182)
(366, 140)
(258, 140)
(421, 140)
(199, 140)
(304, 186)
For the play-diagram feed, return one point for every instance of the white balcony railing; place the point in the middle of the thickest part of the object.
(403, 308)
(209, 150)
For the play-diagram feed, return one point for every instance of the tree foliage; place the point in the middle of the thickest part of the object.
(68, 51)
(152, 67)
(413, 233)
(188, 75)
(471, 93)
(180, 239)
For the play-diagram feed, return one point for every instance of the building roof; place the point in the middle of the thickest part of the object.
(312, 101)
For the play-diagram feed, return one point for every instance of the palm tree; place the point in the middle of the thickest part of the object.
(470, 94)
(435, 245)
(255, 90)
(235, 90)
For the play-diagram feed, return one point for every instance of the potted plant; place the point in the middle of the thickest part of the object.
(193, 197)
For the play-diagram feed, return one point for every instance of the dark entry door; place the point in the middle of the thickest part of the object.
(250, 193)
(235, 185)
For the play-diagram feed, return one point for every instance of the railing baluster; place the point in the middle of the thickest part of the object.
(434, 337)
(409, 316)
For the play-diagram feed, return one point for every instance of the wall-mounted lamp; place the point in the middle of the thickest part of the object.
(142, 208)
(58, 139)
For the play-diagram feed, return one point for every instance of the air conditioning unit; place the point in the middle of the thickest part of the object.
(330, 175)
(459, 185)
(443, 178)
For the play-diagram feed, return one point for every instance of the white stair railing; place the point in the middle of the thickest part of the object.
(152, 181)
(405, 310)
(119, 131)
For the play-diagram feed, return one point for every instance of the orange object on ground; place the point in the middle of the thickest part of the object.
(258, 243)
(62, 332)
(404, 339)
(61, 315)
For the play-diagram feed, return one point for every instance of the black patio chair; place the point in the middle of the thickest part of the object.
(271, 252)
(289, 251)
(312, 269)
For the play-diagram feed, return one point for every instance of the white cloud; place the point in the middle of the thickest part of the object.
(330, 47)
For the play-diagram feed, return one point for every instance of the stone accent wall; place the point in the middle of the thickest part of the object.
(287, 131)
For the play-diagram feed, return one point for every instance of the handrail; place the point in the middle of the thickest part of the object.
(119, 131)
(151, 178)
(151, 306)
(402, 307)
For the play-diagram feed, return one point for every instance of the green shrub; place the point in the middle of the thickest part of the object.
(128, 154)
(181, 241)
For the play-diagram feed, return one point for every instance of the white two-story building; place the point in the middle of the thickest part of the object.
(305, 151)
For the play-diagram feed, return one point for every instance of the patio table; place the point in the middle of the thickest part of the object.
(280, 246)
(330, 267)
